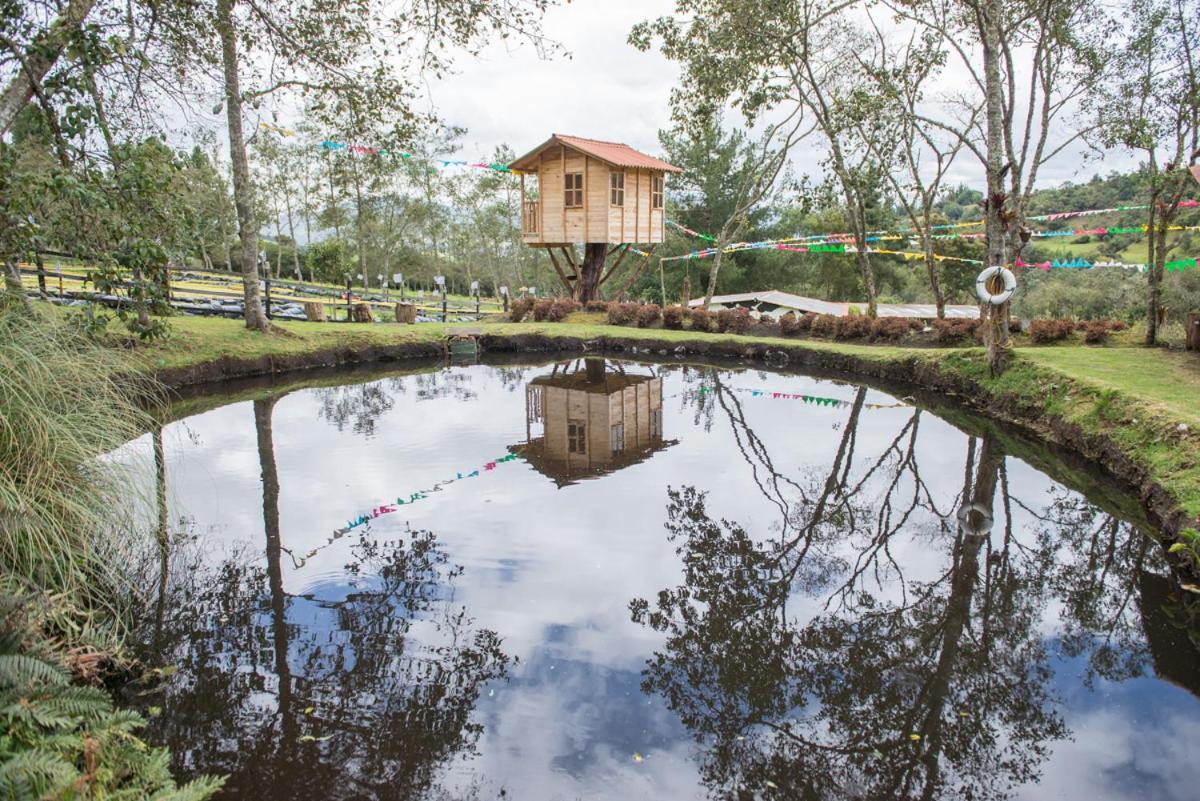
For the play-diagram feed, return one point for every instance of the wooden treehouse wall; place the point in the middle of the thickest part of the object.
(597, 219)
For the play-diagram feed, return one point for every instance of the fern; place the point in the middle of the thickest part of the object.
(34, 775)
(46, 726)
(20, 671)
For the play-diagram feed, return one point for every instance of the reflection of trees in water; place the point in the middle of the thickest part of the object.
(359, 405)
(890, 687)
(365, 694)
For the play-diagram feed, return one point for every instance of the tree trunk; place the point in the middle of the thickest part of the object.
(12, 282)
(935, 280)
(243, 192)
(287, 199)
(40, 59)
(1154, 287)
(859, 224)
(590, 270)
(994, 318)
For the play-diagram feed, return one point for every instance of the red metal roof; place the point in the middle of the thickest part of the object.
(614, 153)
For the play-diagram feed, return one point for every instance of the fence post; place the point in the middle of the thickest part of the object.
(266, 288)
(349, 316)
(444, 317)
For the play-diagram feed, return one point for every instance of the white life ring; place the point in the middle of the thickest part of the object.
(964, 519)
(1010, 285)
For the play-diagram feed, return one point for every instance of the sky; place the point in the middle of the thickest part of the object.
(607, 89)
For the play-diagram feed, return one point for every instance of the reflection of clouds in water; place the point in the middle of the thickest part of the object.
(1117, 755)
(601, 719)
(552, 570)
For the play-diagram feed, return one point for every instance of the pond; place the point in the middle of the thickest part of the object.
(613, 580)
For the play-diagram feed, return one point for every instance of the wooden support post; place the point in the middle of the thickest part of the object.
(561, 275)
(349, 316)
(266, 293)
(616, 264)
(636, 274)
(444, 309)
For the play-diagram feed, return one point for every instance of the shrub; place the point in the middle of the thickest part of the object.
(673, 317)
(560, 309)
(804, 322)
(736, 321)
(823, 325)
(541, 310)
(1044, 331)
(520, 307)
(622, 313)
(852, 326)
(953, 331)
(893, 328)
(648, 315)
(1096, 333)
(702, 319)
(597, 306)
(789, 325)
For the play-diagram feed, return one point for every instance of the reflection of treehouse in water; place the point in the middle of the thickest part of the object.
(594, 419)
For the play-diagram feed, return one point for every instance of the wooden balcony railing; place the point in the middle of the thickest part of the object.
(530, 217)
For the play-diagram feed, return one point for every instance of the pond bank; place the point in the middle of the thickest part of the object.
(1125, 410)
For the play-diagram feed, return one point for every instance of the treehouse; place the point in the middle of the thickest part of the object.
(602, 194)
(593, 420)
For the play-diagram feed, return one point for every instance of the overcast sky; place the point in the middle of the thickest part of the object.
(607, 89)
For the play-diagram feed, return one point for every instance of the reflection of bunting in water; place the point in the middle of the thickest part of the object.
(816, 400)
(419, 495)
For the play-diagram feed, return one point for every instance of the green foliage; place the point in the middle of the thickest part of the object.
(60, 740)
(328, 260)
(60, 510)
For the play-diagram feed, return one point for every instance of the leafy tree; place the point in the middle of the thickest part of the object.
(1151, 105)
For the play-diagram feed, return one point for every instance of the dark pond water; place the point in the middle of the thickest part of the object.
(618, 580)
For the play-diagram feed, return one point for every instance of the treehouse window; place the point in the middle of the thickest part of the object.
(617, 438)
(616, 183)
(576, 437)
(656, 192)
(574, 190)
(656, 430)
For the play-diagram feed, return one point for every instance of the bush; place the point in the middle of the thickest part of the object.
(520, 307)
(893, 328)
(804, 323)
(1095, 332)
(736, 321)
(673, 317)
(1044, 331)
(622, 313)
(789, 325)
(597, 306)
(822, 325)
(648, 315)
(560, 308)
(541, 310)
(953, 331)
(702, 319)
(852, 326)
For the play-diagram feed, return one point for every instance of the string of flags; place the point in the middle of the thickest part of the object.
(1177, 265)
(401, 500)
(368, 150)
(815, 400)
